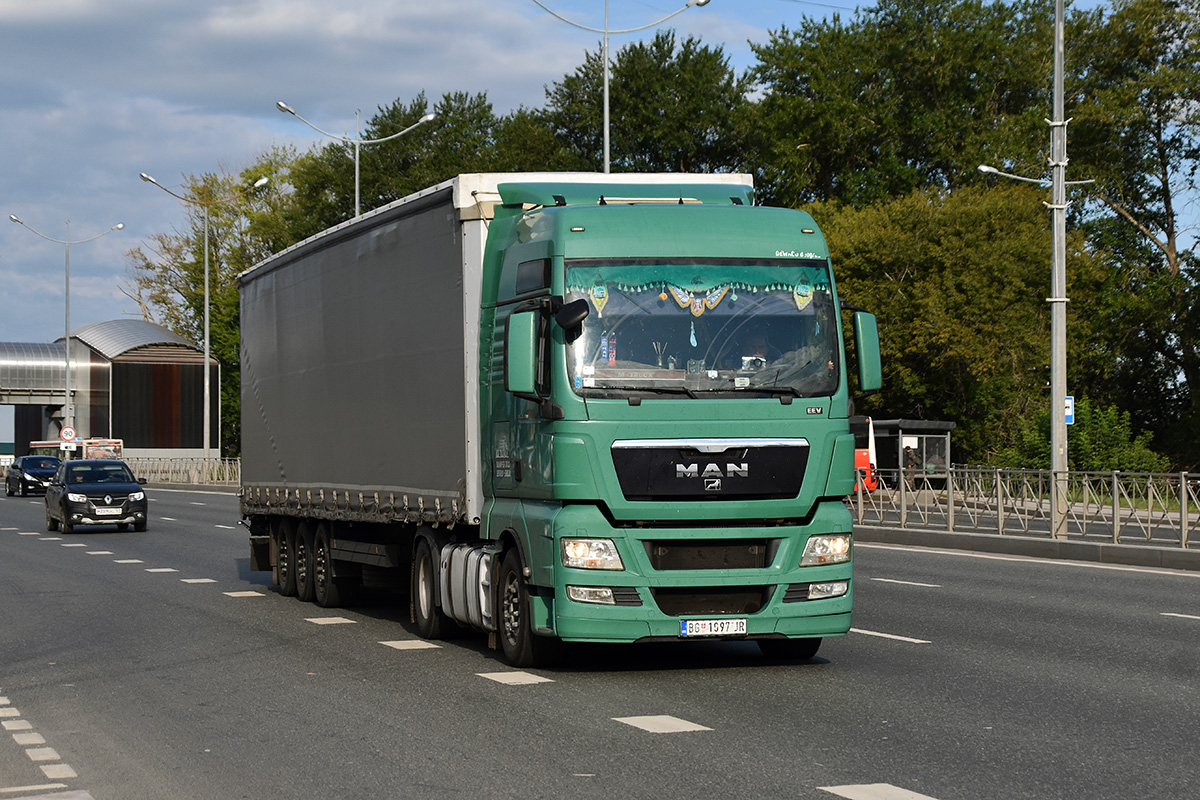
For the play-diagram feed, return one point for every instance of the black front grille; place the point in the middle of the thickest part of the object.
(673, 554)
(626, 596)
(690, 601)
(766, 472)
(796, 593)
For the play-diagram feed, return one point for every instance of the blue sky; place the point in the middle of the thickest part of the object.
(96, 91)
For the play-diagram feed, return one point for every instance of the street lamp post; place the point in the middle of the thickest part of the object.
(357, 142)
(1058, 285)
(68, 415)
(605, 30)
(205, 205)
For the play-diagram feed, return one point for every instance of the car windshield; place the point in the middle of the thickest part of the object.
(687, 327)
(99, 473)
(40, 463)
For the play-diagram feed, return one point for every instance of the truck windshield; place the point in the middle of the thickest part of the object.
(660, 326)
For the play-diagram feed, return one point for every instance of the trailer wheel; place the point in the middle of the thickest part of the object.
(285, 557)
(789, 649)
(303, 551)
(520, 645)
(326, 591)
(431, 622)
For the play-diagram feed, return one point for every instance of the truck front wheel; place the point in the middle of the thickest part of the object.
(521, 646)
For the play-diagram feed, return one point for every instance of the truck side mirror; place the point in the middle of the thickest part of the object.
(572, 314)
(521, 355)
(866, 343)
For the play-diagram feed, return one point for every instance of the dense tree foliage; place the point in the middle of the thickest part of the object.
(876, 124)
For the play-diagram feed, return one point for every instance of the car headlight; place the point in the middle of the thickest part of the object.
(591, 554)
(136, 496)
(29, 477)
(76, 498)
(831, 548)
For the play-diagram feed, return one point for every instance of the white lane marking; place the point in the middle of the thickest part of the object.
(50, 539)
(162, 569)
(332, 621)
(58, 771)
(198, 504)
(17, 725)
(128, 561)
(412, 644)
(661, 724)
(227, 527)
(100, 552)
(43, 754)
(28, 533)
(74, 544)
(244, 594)
(1181, 616)
(42, 787)
(27, 739)
(9, 711)
(874, 791)
(4, 701)
(168, 519)
(198, 580)
(7, 529)
(514, 678)
(908, 583)
(890, 636)
(1050, 562)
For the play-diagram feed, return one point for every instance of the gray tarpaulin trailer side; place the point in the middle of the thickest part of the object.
(360, 365)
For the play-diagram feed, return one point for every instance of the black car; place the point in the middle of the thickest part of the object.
(29, 475)
(95, 492)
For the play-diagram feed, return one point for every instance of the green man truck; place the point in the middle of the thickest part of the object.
(563, 407)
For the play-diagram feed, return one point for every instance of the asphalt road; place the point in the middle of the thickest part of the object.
(155, 665)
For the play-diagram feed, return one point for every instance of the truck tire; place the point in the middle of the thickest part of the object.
(794, 650)
(303, 552)
(431, 622)
(285, 556)
(520, 645)
(326, 591)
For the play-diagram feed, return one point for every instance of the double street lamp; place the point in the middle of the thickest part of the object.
(206, 204)
(357, 142)
(607, 32)
(68, 416)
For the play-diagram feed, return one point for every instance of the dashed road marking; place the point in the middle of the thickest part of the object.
(874, 791)
(43, 754)
(244, 594)
(43, 787)
(890, 636)
(197, 580)
(162, 569)
(100, 552)
(28, 739)
(58, 771)
(8, 711)
(74, 544)
(29, 533)
(412, 644)
(908, 583)
(50, 539)
(227, 527)
(514, 678)
(129, 561)
(168, 519)
(662, 724)
(1181, 616)
(331, 621)
(17, 725)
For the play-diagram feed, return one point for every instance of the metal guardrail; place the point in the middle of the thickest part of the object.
(1121, 507)
(191, 471)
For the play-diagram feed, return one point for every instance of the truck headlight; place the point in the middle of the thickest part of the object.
(833, 548)
(591, 554)
(591, 594)
(76, 498)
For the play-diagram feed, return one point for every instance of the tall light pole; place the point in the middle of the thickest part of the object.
(68, 415)
(605, 30)
(206, 204)
(1058, 285)
(357, 142)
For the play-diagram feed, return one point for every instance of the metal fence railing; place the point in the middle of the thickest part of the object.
(1121, 507)
(191, 471)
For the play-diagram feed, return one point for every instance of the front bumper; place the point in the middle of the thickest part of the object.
(77, 514)
(653, 598)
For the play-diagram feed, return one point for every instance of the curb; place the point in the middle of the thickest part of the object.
(1035, 547)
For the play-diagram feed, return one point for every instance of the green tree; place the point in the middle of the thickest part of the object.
(958, 281)
(674, 107)
(1101, 440)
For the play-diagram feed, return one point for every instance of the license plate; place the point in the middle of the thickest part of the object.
(108, 512)
(712, 627)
